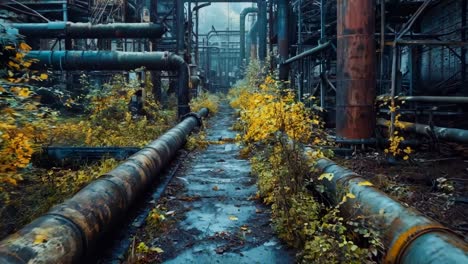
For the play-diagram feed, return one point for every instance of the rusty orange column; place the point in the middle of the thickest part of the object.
(356, 71)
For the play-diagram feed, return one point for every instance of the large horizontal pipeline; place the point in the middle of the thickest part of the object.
(116, 60)
(409, 236)
(430, 99)
(451, 134)
(70, 231)
(88, 30)
(307, 53)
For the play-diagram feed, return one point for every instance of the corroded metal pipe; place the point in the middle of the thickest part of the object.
(88, 30)
(243, 15)
(356, 77)
(451, 134)
(70, 231)
(409, 236)
(115, 60)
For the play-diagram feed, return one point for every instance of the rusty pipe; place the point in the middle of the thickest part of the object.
(451, 134)
(70, 230)
(356, 66)
(409, 236)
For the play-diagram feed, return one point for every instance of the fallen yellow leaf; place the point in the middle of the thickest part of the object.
(365, 183)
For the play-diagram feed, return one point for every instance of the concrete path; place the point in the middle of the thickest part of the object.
(225, 223)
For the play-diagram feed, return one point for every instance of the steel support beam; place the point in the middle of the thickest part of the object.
(356, 77)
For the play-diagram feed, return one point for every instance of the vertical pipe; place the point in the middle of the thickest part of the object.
(262, 30)
(283, 42)
(243, 15)
(254, 40)
(463, 38)
(197, 51)
(382, 42)
(323, 85)
(180, 27)
(355, 94)
(190, 30)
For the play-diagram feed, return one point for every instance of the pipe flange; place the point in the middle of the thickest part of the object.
(195, 115)
(396, 251)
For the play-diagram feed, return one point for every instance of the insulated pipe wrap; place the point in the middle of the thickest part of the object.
(409, 236)
(70, 230)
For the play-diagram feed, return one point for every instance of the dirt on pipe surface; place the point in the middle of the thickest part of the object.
(214, 214)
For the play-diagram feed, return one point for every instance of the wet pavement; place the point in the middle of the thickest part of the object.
(224, 224)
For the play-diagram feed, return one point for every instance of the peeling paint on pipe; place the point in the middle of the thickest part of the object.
(115, 60)
(409, 236)
(70, 231)
(88, 30)
(356, 66)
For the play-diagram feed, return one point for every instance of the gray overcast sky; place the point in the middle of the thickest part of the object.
(218, 14)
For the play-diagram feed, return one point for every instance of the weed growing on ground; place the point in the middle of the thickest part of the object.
(276, 128)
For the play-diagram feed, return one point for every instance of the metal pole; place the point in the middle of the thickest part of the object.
(382, 41)
(323, 85)
(283, 41)
(262, 30)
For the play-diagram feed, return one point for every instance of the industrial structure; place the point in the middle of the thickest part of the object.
(350, 54)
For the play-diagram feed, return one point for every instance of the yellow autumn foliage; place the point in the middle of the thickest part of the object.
(265, 110)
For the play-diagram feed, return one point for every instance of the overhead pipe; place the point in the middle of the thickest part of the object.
(450, 134)
(409, 236)
(307, 53)
(430, 99)
(356, 66)
(283, 42)
(88, 30)
(262, 30)
(243, 15)
(71, 230)
(115, 60)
